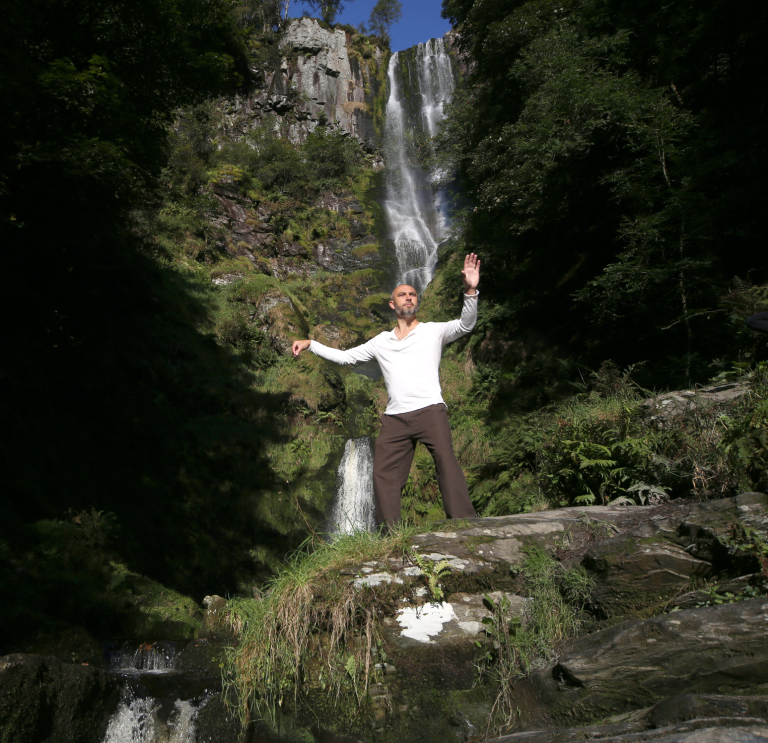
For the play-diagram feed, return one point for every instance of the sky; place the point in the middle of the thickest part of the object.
(421, 20)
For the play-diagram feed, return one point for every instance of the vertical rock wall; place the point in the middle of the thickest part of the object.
(319, 78)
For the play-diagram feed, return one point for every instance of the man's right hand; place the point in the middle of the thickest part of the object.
(299, 346)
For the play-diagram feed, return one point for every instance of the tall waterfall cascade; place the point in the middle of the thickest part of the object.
(421, 82)
(419, 86)
(353, 509)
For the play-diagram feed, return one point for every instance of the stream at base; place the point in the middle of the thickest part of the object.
(159, 703)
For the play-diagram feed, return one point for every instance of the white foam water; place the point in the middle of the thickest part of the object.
(416, 216)
(353, 507)
(137, 720)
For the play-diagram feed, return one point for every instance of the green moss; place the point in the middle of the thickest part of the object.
(474, 542)
(363, 250)
(160, 613)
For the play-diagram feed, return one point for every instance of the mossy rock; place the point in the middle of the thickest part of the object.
(160, 613)
(71, 645)
(361, 251)
(43, 700)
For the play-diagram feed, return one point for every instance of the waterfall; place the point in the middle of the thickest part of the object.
(141, 720)
(159, 703)
(353, 508)
(155, 656)
(419, 85)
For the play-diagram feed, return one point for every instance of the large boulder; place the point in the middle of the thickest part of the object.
(640, 570)
(637, 663)
(43, 700)
(691, 718)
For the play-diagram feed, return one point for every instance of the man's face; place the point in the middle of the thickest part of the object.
(404, 301)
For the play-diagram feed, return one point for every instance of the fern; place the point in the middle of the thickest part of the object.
(433, 572)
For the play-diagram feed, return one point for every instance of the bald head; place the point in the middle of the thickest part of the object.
(404, 300)
(401, 288)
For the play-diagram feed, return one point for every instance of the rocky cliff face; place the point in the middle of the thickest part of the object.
(319, 78)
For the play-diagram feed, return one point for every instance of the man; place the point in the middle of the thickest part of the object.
(409, 357)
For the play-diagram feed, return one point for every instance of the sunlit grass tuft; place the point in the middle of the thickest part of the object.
(280, 650)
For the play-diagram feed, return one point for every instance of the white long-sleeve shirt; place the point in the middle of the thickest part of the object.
(410, 366)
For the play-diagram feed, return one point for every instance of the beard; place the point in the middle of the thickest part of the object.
(406, 311)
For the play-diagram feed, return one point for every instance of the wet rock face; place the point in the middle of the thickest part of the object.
(345, 257)
(691, 718)
(43, 700)
(638, 662)
(247, 232)
(320, 83)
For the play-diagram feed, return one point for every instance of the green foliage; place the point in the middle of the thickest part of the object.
(745, 441)
(603, 446)
(515, 644)
(327, 9)
(60, 573)
(747, 541)
(95, 89)
(603, 185)
(263, 16)
(433, 571)
(278, 660)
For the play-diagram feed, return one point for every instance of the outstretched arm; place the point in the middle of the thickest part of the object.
(471, 277)
(471, 273)
(356, 355)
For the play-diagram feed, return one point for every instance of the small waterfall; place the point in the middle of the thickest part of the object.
(155, 656)
(419, 86)
(141, 720)
(159, 703)
(353, 509)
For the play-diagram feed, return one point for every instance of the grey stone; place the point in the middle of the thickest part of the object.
(683, 717)
(637, 662)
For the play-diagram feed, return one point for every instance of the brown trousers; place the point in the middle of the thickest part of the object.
(393, 456)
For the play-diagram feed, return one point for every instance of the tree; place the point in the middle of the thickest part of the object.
(327, 9)
(263, 15)
(383, 16)
(614, 161)
(90, 93)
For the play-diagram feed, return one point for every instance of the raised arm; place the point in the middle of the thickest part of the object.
(471, 274)
(356, 355)
(471, 277)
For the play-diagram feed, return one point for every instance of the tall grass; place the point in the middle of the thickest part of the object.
(310, 629)
(514, 645)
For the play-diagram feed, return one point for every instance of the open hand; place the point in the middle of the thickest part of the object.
(471, 273)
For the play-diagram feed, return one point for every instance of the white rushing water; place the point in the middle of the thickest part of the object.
(158, 657)
(138, 720)
(353, 508)
(416, 216)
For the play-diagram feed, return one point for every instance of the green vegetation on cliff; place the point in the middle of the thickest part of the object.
(145, 377)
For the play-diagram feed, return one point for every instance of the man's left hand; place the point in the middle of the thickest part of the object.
(471, 273)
